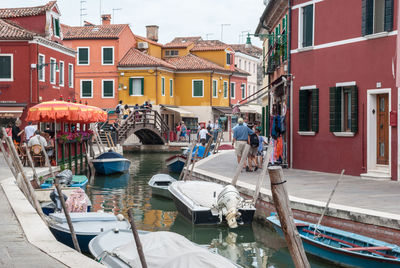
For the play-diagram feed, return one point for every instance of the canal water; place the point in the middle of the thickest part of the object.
(248, 246)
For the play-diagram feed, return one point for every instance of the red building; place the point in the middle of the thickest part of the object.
(344, 91)
(238, 86)
(35, 66)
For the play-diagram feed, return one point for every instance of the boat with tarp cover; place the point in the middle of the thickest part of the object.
(343, 248)
(111, 162)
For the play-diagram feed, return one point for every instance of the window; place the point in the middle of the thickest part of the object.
(162, 86)
(41, 68)
(136, 86)
(240, 64)
(377, 16)
(83, 56)
(343, 109)
(214, 88)
(228, 58)
(254, 68)
(70, 75)
(306, 30)
(171, 87)
(61, 73)
(6, 67)
(233, 90)
(225, 89)
(197, 88)
(171, 53)
(52, 71)
(243, 89)
(86, 88)
(56, 27)
(107, 56)
(108, 89)
(309, 109)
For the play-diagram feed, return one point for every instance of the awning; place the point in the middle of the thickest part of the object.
(11, 111)
(224, 110)
(253, 109)
(182, 112)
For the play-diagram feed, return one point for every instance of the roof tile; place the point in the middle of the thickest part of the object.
(11, 31)
(191, 62)
(25, 11)
(136, 58)
(111, 31)
(246, 49)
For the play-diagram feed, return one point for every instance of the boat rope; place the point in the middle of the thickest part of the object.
(277, 183)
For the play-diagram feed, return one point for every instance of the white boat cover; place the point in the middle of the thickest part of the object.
(83, 217)
(201, 192)
(170, 250)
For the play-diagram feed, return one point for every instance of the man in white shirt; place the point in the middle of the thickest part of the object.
(29, 131)
(203, 135)
(216, 130)
(37, 140)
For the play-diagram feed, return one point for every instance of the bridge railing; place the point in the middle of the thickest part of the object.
(142, 118)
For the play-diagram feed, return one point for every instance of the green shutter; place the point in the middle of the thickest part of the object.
(354, 108)
(308, 25)
(263, 122)
(107, 88)
(130, 86)
(162, 86)
(142, 86)
(108, 55)
(367, 17)
(197, 88)
(315, 109)
(83, 56)
(233, 90)
(335, 109)
(86, 88)
(303, 110)
(5, 67)
(388, 15)
(267, 121)
(171, 92)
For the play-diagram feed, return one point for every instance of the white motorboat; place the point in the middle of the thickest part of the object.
(159, 184)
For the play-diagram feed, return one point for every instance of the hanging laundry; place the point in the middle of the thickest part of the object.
(279, 148)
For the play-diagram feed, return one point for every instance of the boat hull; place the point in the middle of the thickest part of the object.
(110, 166)
(161, 191)
(66, 238)
(176, 163)
(339, 256)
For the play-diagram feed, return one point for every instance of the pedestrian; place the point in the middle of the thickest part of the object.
(126, 111)
(252, 157)
(178, 131)
(17, 132)
(216, 129)
(118, 109)
(241, 134)
(29, 131)
(37, 139)
(183, 131)
(203, 133)
(260, 148)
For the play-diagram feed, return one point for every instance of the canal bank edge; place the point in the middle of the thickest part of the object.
(380, 225)
(36, 231)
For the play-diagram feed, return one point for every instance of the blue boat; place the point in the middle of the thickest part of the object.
(344, 248)
(80, 181)
(110, 162)
(176, 163)
(86, 226)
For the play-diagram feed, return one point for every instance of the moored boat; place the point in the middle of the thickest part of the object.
(116, 248)
(205, 202)
(110, 162)
(86, 226)
(344, 248)
(159, 185)
(80, 181)
(176, 163)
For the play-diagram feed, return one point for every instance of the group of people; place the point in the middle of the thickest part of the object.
(123, 111)
(209, 132)
(244, 134)
(181, 131)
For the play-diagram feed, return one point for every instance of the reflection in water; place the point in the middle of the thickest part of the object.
(248, 246)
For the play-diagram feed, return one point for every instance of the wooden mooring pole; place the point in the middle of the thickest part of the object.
(282, 205)
(240, 165)
(137, 239)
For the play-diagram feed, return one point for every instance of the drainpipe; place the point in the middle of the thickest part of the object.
(156, 86)
(211, 96)
(290, 98)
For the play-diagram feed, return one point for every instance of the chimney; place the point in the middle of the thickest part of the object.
(106, 19)
(152, 32)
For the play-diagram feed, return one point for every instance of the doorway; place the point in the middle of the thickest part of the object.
(382, 130)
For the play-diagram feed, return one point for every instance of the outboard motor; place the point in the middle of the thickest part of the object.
(56, 200)
(228, 201)
(65, 177)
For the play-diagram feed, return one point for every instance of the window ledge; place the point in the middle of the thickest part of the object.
(344, 134)
(302, 49)
(376, 35)
(306, 133)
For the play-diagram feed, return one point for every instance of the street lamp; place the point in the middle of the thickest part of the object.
(40, 66)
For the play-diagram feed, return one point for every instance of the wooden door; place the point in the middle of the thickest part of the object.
(382, 129)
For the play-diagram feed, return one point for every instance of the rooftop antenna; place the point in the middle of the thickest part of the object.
(114, 9)
(100, 12)
(82, 11)
(208, 35)
(222, 29)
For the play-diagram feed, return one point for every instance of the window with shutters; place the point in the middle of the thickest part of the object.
(343, 109)
(162, 86)
(86, 88)
(243, 90)
(136, 86)
(61, 82)
(52, 71)
(214, 88)
(41, 68)
(108, 88)
(6, 67)
(228, 59)
(70, 75)
(309, 110)
(306, 26)
(56, 27)
(225, 89)
(83, 56)
(197, 88)
(171, 88)
(233, 89)
(377, 16)
(107, 55)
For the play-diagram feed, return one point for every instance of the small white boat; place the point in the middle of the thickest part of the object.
(159, 185)
(116, 248)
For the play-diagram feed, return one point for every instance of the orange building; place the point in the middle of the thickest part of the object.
(99, 49)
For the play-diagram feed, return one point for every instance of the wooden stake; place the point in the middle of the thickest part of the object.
(219, 138)
(7, 158)
(282, 205)
(97, 142)
(240, 165)
(108, 141)
(90, 164)
(262, 174)
(207, 149)
(112, 141)
(194, 162)
(46, 157)
(187, 159)
(101, 142)
(67, 216)
(137, 239)
(28, 154)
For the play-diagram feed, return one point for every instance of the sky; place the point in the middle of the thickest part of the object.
(174, 17)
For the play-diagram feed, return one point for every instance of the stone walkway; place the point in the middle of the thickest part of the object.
(382, 196)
